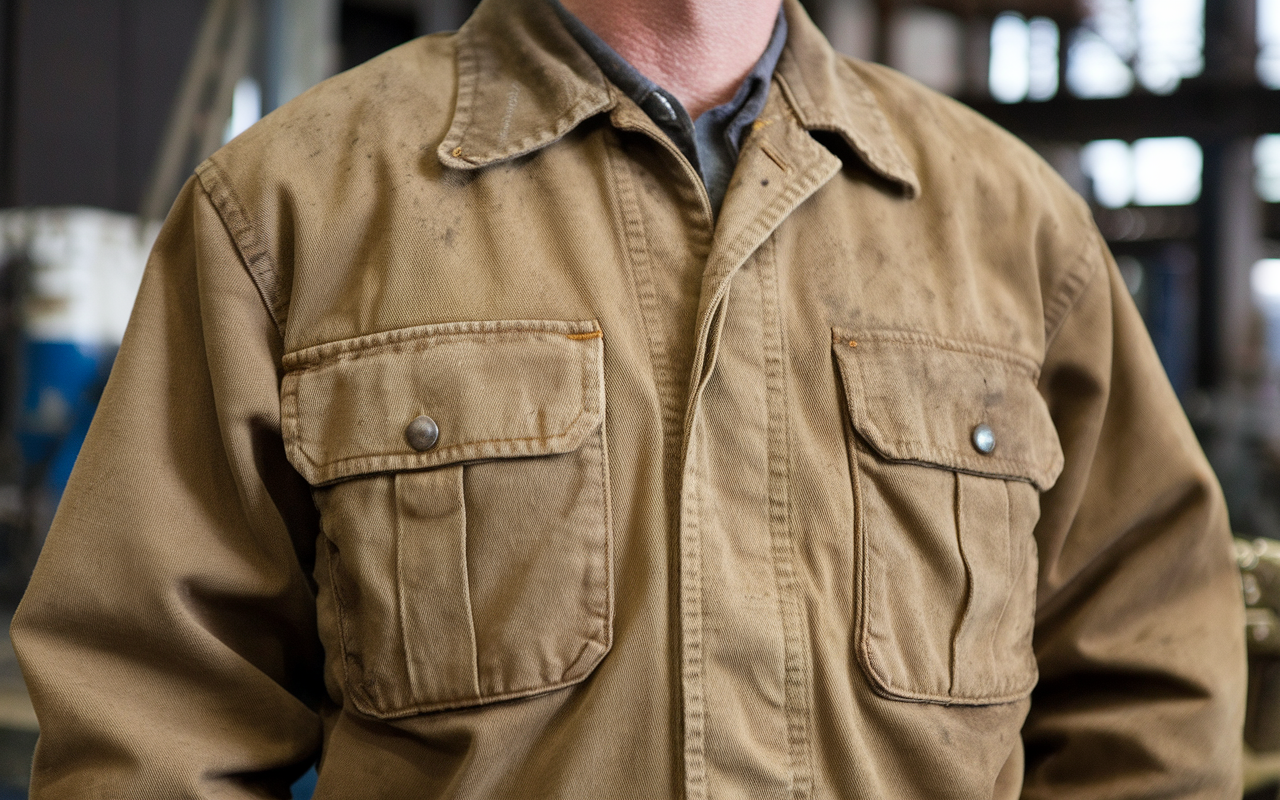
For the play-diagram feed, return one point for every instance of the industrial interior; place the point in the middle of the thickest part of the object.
(1164, 114)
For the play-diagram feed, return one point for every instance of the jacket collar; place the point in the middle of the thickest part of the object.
(828, 95)
(523, 82)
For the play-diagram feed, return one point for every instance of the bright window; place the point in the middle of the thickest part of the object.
(1269, 43)
(1170, 42)
(246, 108)
(1109, 165)
(1167, 171)
(1150, 172)
(1264, 279)
(1095, 70)
(1266, 162)
(1042, 58)
(1010, 70)
(1024, 59)
(1158, 42)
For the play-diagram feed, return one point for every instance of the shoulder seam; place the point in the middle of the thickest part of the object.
(257, 260)
(1057, 310)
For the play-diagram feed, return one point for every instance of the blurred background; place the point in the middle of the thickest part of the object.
(1164, 114)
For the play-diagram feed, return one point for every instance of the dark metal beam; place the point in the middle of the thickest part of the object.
(1199, 110)
(8, 76)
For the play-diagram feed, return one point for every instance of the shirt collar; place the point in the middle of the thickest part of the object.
(749, 100)
(641, 89)
(524, 82)
(617, 69)
(717, 136)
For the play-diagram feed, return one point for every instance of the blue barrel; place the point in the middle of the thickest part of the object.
(82, 270)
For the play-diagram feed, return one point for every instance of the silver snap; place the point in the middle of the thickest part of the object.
(984, 439)
(422, 434)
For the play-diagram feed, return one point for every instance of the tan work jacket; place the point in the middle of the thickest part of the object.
(455, 441)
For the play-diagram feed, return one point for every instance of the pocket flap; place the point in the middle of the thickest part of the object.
(494, 390)
(919, 398)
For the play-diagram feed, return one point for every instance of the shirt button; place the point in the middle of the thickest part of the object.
(984, 439)
(422, 433)
(663, 109)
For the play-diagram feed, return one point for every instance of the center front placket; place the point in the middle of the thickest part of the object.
(743, 654)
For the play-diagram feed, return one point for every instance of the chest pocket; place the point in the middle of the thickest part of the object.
(950, 445)
(466, 561)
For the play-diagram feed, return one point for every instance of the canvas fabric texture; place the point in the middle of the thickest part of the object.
(708, 514)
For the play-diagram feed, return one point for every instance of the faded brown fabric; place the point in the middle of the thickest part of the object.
(705, 517)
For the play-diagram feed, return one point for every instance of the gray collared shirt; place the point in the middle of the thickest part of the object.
(712, 142)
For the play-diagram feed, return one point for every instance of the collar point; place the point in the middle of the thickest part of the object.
(901, 174)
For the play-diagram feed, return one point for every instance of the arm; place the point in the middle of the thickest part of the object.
(1139, 630)
(168, 635)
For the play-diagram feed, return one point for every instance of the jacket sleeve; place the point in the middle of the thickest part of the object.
(1139, 630)
(168, 636)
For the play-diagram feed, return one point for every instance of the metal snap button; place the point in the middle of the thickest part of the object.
(984, 439)
(422, 434)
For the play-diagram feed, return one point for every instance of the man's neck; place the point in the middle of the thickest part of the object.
(699, 50)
